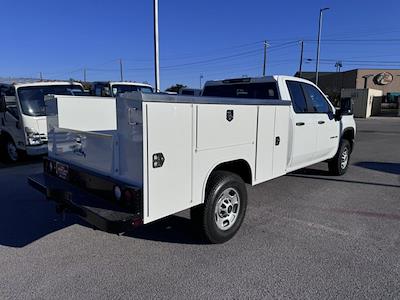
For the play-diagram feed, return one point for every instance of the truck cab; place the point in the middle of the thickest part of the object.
(316, 127)
(113, 88)
(23, 128)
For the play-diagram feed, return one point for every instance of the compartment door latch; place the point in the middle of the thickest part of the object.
(158, 160)
(229, 115)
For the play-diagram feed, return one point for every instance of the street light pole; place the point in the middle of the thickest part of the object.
(319, 43)
(156, 48)
(266, 45)
(301, 58)
(121, 74)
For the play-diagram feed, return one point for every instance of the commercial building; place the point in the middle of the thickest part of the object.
(372, 91)
(332, 83)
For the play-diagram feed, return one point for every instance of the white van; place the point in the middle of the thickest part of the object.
(23, 128)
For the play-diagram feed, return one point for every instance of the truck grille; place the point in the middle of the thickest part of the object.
(43, 137)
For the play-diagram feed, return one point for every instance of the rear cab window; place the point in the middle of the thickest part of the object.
(297, 96)
(256, 90)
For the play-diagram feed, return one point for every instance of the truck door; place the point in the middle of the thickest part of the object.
(10, 120)
(304, 129)
(327, 126)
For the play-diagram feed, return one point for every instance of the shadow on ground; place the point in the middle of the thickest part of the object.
(173, 229)
(319, 174)
(25, 214)
(392, 168)
(25, 219)
(26, 161)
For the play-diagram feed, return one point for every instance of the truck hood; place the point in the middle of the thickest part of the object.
(42, 125)
(37, 124)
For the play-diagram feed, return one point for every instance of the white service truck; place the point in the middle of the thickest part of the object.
(23, 128)
(163, 154)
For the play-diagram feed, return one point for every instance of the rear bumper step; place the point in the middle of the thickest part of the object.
(95, 210)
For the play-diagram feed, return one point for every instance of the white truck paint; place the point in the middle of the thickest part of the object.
(173, 147)
(23, 120)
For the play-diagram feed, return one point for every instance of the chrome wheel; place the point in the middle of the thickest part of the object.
(227, 209)
(12, 151)
(344, 158)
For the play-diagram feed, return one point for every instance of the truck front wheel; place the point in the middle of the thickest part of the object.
(10, 150)
(225, 207)
(339, 164)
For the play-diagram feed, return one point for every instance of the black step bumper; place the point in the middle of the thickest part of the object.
(95, 210)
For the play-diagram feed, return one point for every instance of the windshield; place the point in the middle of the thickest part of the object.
(119, 89)
(31, 98)
(263, 90)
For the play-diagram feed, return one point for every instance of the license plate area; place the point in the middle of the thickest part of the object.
(62, 171)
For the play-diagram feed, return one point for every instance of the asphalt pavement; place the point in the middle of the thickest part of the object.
(305, 235)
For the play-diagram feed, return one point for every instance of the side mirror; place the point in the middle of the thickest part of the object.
(346, 106)
(105, 92)
(338, 115)
(3, 104)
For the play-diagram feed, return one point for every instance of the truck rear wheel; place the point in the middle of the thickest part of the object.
(223, 212)
(339, 164)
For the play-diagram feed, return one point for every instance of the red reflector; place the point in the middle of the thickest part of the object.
(137, 222)
(128, 195)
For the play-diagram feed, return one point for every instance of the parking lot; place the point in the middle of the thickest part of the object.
(305, 235)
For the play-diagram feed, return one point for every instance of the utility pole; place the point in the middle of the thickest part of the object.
(41, 76)
(120, 70)
(156, 48)
(266, 45)
(319, 43)
(84, 74)
(338, 65)
(201, 77)
(301, 58)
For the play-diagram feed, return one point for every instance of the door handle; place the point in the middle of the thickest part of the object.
(321, 122)
(300, 124)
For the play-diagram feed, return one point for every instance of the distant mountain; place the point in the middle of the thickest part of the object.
(16, 79)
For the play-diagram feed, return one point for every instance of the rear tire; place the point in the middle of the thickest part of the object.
(225, 207)
(340, 163)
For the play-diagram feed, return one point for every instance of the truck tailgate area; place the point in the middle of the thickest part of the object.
(95, 210)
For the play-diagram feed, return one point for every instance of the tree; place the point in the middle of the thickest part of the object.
(175, 88)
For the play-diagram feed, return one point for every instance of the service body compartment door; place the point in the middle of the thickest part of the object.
(168, 149)
(272, 142)
(281, 141)
(265, 143)
(221, 126)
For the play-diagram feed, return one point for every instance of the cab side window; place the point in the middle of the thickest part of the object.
(316, 101)
(297, 95)
(11, 106)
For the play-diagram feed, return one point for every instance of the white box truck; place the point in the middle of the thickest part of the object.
(167, 153)
(23, 127)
